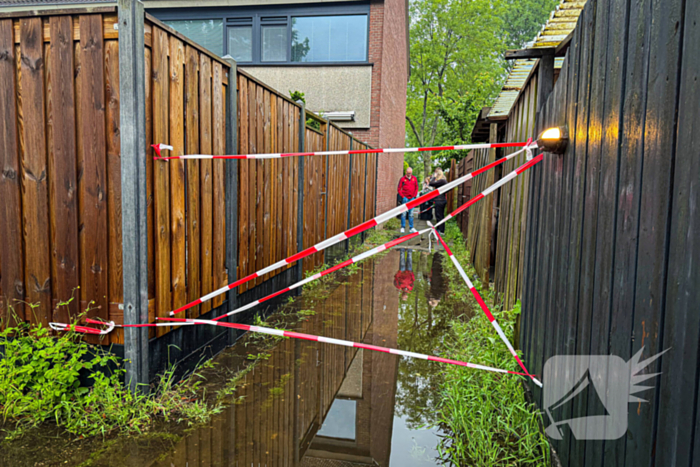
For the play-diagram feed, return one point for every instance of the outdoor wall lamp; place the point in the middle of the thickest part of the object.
(554, 139)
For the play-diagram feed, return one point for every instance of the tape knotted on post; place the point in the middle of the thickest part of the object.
(528, 149)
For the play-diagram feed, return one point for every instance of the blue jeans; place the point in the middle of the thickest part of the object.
(409, 212)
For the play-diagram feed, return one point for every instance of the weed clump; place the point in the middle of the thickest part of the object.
(44, 377)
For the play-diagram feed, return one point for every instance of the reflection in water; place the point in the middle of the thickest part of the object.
(313, 404)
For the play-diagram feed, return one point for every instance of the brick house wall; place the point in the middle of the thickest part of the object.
(388, 52)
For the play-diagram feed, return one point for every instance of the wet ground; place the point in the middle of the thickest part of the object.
(313, 404)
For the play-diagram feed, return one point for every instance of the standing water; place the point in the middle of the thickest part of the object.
(306, 403)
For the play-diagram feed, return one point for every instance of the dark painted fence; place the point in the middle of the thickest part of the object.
(612, 258)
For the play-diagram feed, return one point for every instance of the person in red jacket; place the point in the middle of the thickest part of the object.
(408, 190)
(404, 278)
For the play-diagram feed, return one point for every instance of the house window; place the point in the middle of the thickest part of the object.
(266, 35)
(240, 43)
(274, 44)
(329, 38)
(206, 32)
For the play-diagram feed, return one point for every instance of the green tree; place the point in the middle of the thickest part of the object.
(453, 44)
(457, 65)
(524, 18)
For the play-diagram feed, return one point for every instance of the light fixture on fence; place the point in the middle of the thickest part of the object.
(554, 139)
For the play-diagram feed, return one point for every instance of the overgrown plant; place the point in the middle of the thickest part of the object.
(485, 414)
(60, 378)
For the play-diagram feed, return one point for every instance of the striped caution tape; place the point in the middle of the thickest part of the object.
(374, 251)
(145, 325)
(164, 147)
(319, 275)
(359, 229)
(529, 164)
(83, 329)
(482, 304)
(328, 340)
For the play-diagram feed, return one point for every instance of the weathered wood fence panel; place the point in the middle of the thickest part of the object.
(611, 257)
(60, 183)
(275, 426)
(188, 89)
(513, 202)
(61, 172)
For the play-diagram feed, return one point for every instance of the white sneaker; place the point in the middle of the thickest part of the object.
(402, 230)
(413, 231)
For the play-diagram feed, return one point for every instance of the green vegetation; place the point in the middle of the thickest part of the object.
(40, 380)
(486, 414)
(457, 66)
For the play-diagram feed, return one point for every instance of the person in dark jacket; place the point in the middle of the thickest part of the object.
(436, 181)
(408, 190)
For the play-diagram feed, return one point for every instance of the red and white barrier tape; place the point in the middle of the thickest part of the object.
(319, 275)
(145, 325)
(531, 162)
(362, 227)
(328, 340)
(82, 329)
(483, 306)
(162, 147)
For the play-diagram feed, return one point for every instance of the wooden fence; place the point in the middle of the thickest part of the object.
(495, 227)
(611, 259)
(61, 183)
(276, 426)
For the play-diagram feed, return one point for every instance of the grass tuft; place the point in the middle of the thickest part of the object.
(485, 414)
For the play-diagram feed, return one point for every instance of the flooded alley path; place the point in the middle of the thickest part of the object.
(306, 403)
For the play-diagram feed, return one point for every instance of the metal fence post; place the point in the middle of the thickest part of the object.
(325, 214)
(300, 213)
(364, 200)
(132, 121)
(231, 183)
(347, 224)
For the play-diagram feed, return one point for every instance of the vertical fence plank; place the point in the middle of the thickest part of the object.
(206, 180)
(279, 179)
(252, 181)
(35, 203)
(114, 184)
(176, 117)
(284, 145)
(150, 197)
(194, 290)
(274, 185)
(161, 174)
(267, 175)
(681, 327)
(655, 207)
(260, 182)
(11, 248)
(243, 193)
(219, 147)
(64, 177)
(92, 167)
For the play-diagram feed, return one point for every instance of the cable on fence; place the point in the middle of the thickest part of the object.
(359, 229)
